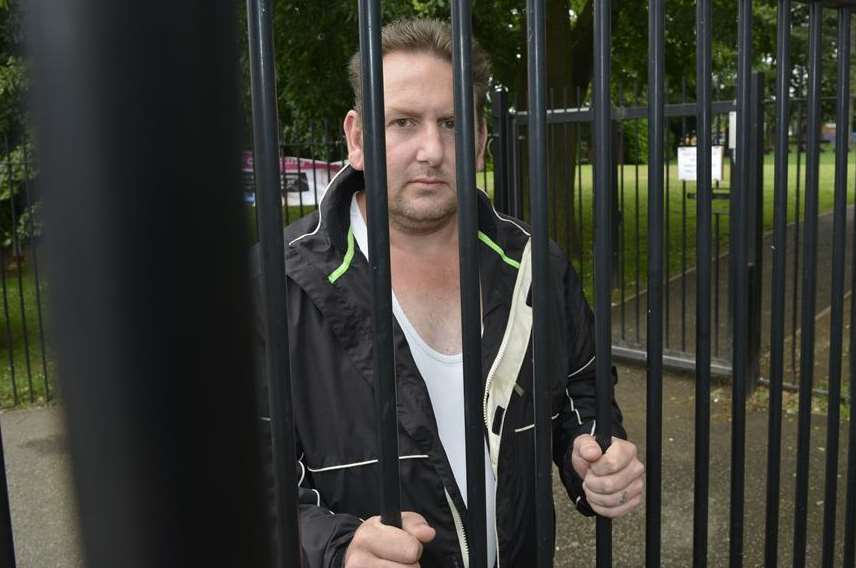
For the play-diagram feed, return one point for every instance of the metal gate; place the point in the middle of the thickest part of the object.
(181, 484)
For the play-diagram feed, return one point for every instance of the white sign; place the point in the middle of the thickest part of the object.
(732, 130)
(688, 168)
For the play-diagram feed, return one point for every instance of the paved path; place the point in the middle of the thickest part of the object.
(681, 298)
(42, 502)
(576, 534)
(44, 513)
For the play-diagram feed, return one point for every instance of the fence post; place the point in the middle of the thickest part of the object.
(809, 283)
(738, 281)
(754, 229)
(604, 173)
(371, 62)
(777, 319)
(267, 171)
(153, 336)
(500, 150)
(468, 242)
(654, 335)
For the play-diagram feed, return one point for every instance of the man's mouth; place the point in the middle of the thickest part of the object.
(428, 181)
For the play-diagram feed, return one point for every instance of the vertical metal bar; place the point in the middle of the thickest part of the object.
(536, 48)
(578, 157)
(266, 165)
(716, 294)
(374, 142)
(809, 280)
(285, 180)
(797, 249)
(16, 252)
(7, 544)
(621, 224)
(654, 333)
(500, 155)
(7, 316)
(36, 276)
(704, 32)
(638, 238)
(850, 507)
(603, 173)
(314, 174)
(754, 222)
(836, 325)
(740, 305)
(552, 175)
(684, 228)
(568, 178)
(466, 126)
(667, 222)
(516, 185)
(777, 324)
(580, 212)
(163, 476)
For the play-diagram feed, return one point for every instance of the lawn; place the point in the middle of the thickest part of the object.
(20, 287)
(680, 232)
(24, 366)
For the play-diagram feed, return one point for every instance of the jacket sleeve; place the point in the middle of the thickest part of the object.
(577, 403)
(324, 535)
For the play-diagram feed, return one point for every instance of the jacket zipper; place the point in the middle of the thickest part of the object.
(459, 528)
(487, 384)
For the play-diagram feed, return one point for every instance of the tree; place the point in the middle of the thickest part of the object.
(315, 96)
(15, 146)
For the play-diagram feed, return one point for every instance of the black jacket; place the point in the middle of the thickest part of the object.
(330, 337)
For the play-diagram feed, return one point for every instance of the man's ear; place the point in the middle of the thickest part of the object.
(354, 137)
(481, 145)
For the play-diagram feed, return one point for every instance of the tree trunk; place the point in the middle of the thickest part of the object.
(569, 71)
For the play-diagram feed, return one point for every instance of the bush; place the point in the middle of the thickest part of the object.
(635, 133)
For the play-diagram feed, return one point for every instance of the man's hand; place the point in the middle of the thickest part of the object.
(378, 545)
(613, 481)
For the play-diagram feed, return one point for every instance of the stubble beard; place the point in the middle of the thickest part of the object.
(407, 214)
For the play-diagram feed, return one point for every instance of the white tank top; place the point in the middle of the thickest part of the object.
(444, 376)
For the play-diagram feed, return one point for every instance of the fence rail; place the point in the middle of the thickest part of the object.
(157, 443)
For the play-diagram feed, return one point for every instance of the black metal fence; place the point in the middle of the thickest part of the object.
(188, 477)
(26, 370)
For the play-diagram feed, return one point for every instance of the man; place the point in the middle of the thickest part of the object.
(330, 330)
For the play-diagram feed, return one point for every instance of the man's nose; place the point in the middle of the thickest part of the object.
(432, 146)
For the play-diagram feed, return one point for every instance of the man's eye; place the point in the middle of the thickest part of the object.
(402, 122)
(449, 123)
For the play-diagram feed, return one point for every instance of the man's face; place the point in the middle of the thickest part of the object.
(420, 140)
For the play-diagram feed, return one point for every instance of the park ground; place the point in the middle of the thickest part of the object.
(44, 517)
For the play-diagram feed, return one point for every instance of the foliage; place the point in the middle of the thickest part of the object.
(635, 147)
(15, 147)
(313, 96)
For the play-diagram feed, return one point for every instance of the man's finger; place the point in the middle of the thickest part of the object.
(617, 457)
(620, 511)
(390, 543)
(617, 499)
(587, 448)
(416, 525)
(615, 482)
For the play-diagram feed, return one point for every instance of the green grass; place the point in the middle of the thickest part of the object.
(30, 385)
(632, 225)
(679, 237)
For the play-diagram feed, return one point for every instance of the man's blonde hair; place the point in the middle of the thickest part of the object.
(416, 35)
